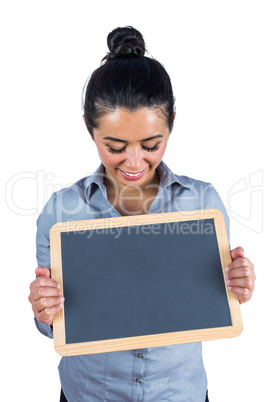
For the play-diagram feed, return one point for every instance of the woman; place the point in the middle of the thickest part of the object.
(129, 113)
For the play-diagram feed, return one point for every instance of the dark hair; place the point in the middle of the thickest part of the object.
(127, 79)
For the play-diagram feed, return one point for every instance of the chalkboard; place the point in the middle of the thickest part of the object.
(141, 281)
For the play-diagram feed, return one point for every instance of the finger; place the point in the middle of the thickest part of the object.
(237, 253)
(46, 315)
(244, 294)
(42, 271)
(43, 281)
(244, 283)
(47, 303)
(240, 263)
(44, 292)
(240, 272)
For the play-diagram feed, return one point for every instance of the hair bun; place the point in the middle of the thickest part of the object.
(124, 40)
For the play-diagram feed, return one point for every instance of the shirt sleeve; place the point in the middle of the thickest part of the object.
(216, 202)
(44, 223)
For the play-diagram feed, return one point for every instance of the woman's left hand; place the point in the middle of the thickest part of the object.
(240, 276)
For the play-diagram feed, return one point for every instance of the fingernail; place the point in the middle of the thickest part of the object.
(227, 282)
(62, 299)
(227, 268)
(226, 275)
(58, 286)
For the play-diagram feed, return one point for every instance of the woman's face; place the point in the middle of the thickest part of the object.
(131, 145)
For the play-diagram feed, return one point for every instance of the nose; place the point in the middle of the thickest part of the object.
(134, 158)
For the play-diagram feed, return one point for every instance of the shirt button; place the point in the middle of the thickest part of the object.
(138, 380)
(140, 355)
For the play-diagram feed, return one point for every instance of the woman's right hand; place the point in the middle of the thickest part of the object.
(45, 296)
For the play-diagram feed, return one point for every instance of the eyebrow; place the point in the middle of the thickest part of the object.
(146, 139)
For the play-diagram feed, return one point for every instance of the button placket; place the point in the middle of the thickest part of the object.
(138, 375)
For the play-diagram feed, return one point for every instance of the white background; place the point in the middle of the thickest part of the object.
(216, 55)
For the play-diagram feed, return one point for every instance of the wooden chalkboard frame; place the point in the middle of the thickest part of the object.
(145, 341)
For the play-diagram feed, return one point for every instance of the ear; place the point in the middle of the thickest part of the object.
(174, 115)
(84, 118)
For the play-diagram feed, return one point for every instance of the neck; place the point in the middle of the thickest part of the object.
(127, 199)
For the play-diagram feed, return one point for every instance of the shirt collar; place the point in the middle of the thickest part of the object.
(95, 178)
(166, 176)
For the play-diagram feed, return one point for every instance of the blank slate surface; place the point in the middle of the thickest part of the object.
(131, 281)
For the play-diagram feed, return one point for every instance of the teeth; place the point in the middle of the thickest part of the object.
(132, 174)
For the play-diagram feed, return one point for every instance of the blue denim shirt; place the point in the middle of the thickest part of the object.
(169, 373)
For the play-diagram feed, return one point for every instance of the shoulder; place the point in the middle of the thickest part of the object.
(72, 192)
(195, 188)
(190, 182)
(167, 176)
(198, 194)
(203, 189)
(65, 203)
(79, 191)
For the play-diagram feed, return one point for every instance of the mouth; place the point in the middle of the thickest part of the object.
(132, 176)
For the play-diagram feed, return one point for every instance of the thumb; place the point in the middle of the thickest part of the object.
(237, 252)
(42, 271)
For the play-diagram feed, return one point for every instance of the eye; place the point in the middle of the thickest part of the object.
(154, 148)
(116, 151)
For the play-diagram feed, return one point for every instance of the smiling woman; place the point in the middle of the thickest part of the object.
(131, 169)
(129, 112)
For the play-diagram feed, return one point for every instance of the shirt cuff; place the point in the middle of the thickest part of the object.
(45, 329)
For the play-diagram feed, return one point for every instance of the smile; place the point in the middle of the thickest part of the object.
(132, 176)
